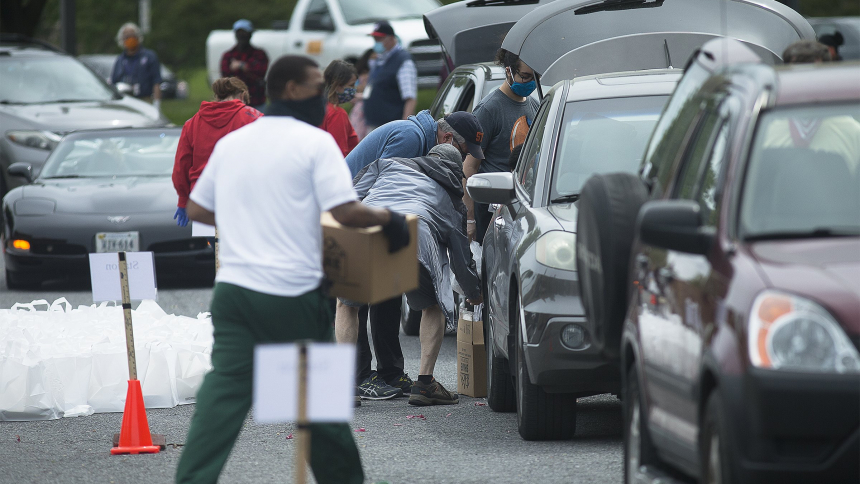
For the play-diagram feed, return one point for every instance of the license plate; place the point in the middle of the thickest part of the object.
(118, 242)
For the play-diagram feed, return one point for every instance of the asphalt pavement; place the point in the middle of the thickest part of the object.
(464, 443)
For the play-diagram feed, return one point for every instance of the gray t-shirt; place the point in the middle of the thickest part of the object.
(505, 123)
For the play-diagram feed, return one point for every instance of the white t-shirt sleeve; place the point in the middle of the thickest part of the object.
(331, 176)
(203, 193)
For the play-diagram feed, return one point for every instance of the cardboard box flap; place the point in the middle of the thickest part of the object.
(469, 331)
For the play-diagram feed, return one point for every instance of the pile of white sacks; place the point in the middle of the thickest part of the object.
(67, 362)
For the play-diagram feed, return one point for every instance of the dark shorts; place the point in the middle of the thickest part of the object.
(418, 299)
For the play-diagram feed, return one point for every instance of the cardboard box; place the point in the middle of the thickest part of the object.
(471, 356)
(359, 265)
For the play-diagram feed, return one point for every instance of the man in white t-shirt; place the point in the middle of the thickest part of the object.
(264, 187)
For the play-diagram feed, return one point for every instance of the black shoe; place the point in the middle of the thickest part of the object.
(375, 388)
(424, 394)
(403, 382)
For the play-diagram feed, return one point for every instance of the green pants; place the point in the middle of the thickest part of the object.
(242, 319)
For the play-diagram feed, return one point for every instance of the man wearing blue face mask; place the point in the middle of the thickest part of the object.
(393, 83)
(506, 115)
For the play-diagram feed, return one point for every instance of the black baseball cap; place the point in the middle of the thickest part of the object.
(468, 126)
(382, 28)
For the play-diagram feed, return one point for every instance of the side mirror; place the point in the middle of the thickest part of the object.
(492, 188)
(675, 225)
(124, 88)
(22, 169)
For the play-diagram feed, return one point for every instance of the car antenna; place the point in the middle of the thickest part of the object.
(668, 55)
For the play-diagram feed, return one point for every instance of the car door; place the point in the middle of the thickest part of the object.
(317, 37)
(510, 224)
(680, 294)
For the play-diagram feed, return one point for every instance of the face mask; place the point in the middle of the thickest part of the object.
(462, 155)
(378, 47)
(522, 89)
(346, 96)
(310, 110)
(131, 43)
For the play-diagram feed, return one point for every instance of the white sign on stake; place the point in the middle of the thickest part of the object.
(331, 382)
(202, 230)
(104, 274)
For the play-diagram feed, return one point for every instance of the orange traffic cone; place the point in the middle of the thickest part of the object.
(134, 436)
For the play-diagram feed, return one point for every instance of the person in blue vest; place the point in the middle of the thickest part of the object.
(393, 84)
(136, 66)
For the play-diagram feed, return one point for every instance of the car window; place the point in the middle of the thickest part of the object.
(602, 136)
(691, 167)
(708, 183)
(528, 162)
(318, 17)
(452, 97)
(40, 80)
(143, 154)
(803, 174)
(671, 130)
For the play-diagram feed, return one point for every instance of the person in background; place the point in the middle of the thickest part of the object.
(216, 118)
(269, 288)
(506, 115)
(247, 62)
(137, 66)
(431, 188)
(806, 52)
(833, 42)
(340, 88)
(393, 85)
(356, 114)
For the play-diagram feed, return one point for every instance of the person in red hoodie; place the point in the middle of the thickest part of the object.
(340, 88)
(227, 113)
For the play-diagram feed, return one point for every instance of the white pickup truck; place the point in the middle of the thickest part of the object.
(338, 29)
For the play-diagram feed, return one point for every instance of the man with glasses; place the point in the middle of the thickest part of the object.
(506, 115)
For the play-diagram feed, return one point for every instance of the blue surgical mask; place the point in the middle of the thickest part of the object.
(378, 47)
(346, 96)
(522, 89)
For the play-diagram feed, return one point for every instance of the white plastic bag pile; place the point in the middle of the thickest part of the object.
(67, 362)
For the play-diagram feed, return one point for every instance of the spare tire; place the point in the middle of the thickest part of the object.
(608, 207)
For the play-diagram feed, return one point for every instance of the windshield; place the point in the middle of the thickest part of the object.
(602, 136)
(128, 154)
(29, 80)
(370, 11)
(803, 176)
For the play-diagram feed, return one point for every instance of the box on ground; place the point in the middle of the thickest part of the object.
(358, 264)
(471, 356)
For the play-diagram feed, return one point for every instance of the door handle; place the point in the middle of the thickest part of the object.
(298, 43)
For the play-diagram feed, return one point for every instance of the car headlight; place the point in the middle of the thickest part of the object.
(793, 333)
(35, 206)
(557, 249)
(43, 140)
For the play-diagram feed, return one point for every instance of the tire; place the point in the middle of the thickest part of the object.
(410, 320)
(608, 207)
(501, 396)
(638, 448)
(715, 461)
(540, 415)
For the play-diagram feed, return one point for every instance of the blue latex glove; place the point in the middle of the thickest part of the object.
(181, 217)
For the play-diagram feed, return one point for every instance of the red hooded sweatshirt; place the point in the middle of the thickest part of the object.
(198, 138)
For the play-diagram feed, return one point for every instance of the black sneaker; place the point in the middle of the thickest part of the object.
(375, 388)
(424, 394)
(403, 382)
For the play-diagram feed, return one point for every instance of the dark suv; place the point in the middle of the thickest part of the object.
(742, 330)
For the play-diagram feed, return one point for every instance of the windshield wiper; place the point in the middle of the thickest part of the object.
(59, 177)
(57, 101)
(821, 232)
(570, 197)
(487, 3)
(609, 5)
(368, 20)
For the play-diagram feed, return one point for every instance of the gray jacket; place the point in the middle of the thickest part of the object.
(430, 188)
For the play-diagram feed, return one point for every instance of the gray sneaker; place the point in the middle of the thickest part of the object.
(375, 388)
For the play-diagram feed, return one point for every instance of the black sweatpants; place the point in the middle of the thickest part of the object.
(385, 327)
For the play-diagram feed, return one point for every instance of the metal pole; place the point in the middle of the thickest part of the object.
(67, 27)
(304, 434)
(126, 312)
(144, 11)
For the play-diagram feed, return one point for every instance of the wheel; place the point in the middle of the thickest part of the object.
(716, 465)
(410, 319)
(608, 207)
(501, 396)
(540, 415)
(14, 282)
(638, 448)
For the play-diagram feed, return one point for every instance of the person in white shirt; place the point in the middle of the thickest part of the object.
(265, 186)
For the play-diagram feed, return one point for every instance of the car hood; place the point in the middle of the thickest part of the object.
(824, 270)
(114, 196)
(565, 214)
(64, 117)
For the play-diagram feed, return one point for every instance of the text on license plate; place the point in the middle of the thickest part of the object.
(118, 242)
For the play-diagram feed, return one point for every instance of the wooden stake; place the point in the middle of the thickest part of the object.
(304, 434)
(126, 312)
(217, 260)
